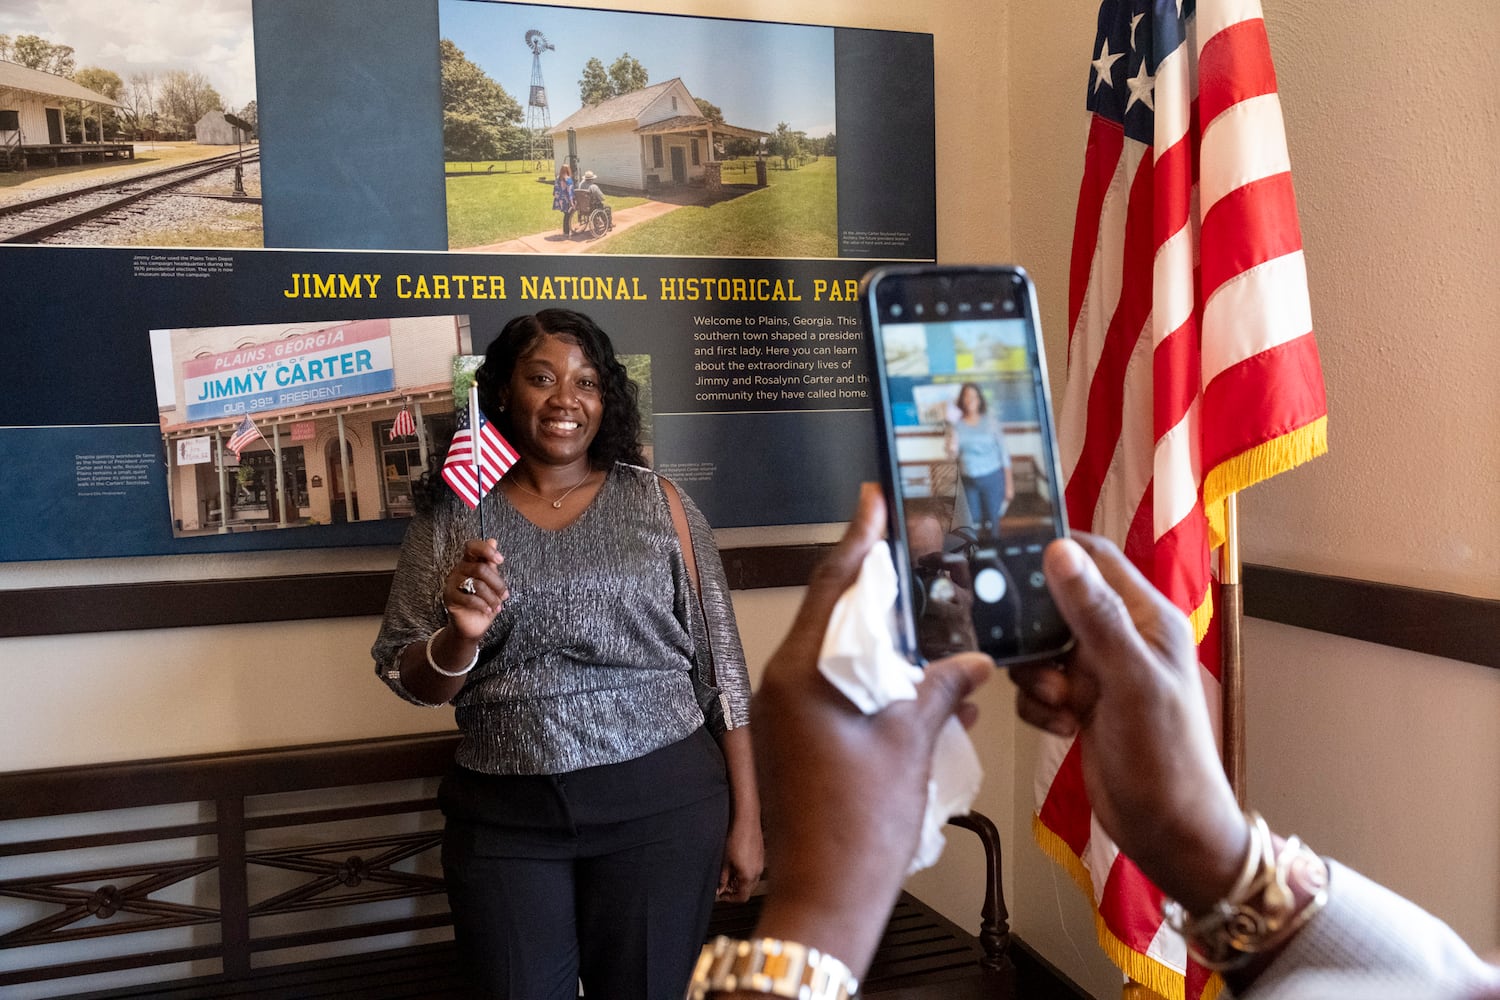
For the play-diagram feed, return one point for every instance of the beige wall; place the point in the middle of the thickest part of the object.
(1383, 757)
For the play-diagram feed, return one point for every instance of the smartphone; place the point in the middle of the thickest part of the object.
(968, 455)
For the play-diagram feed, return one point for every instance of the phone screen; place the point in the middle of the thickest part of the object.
(970, 458)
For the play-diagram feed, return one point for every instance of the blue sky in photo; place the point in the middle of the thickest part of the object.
(758, 73)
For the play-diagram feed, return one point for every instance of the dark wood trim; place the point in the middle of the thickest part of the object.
(234, 888)
(342, 874)
(371, 929)
(1425, 621)
(1039, 979)
(57, 791)
(759, 567)
(119, 607)
(248, 923)
(112, 838)
(116, 607)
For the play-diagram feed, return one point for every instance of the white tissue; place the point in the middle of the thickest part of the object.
(859, 657)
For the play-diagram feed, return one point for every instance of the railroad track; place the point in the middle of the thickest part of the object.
(39, 218)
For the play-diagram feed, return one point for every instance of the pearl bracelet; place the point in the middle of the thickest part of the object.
(448, 673)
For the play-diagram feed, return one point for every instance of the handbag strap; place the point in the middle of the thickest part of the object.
(685, 542)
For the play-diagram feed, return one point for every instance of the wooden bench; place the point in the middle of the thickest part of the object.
(307, 872)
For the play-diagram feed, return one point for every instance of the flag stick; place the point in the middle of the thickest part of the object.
(1232, 672)
(476, 418)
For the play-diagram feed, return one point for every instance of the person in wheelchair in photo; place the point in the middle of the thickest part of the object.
(590, 200)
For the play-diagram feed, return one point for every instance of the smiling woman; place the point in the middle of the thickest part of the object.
(603, 791)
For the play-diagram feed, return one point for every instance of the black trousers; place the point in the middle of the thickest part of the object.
(604, 875)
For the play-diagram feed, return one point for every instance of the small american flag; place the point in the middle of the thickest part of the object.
(243, 437)
(1192, 370)
(475, 462)
(403, 426)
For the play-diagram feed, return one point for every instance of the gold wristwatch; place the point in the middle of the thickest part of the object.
(775, 968)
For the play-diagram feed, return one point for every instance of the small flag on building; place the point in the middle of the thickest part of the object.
(403, 426)
(478, 456)
(243, 437)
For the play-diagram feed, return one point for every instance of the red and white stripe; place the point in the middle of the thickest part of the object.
(1192, 372)
(243, 437)
(475, 463)
(403, 425)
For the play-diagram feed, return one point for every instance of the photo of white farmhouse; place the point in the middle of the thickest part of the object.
(647, 139)
(568, 130)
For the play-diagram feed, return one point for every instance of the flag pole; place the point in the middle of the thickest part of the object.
(476, 420)
(1232, 673)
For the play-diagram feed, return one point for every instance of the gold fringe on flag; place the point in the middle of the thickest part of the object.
(1058, 850)
(1149, 979)
(1202, 615)
(1259, 463)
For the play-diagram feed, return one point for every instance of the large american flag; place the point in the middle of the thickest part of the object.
(1192, 370)
(473, 464)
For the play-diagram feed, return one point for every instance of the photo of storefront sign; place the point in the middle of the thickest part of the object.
(356, 405)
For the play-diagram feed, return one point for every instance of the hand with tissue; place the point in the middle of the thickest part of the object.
(844, 793)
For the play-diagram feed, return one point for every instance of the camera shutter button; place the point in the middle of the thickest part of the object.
(989, 585)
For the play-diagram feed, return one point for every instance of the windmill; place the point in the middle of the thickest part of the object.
(538, 118)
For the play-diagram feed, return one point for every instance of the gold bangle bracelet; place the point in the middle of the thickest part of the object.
(770, 966)
(1260, 912)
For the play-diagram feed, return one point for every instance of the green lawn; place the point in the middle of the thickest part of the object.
(795, 216)
(490, 206)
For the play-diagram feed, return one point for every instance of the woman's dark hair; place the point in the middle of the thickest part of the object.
(984, 407)
(619, 437)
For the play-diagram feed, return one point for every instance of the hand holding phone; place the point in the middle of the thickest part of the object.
(965, 416)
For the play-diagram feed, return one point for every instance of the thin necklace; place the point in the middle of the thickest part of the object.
(556, 504)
